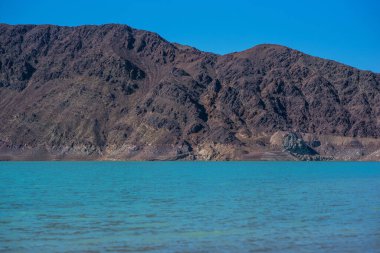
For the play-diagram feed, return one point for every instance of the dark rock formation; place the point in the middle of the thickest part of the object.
(114, 92)
(296, 145)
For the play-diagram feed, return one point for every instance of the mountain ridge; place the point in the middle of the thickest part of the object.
(146, 98)
(188, 46)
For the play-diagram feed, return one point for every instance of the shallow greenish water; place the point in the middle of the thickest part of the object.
(189, 207)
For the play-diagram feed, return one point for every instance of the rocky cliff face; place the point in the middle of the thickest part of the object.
(114, 92)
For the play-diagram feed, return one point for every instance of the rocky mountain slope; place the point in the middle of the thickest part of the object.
(114, 92)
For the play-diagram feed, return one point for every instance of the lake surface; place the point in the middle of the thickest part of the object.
(189, 207)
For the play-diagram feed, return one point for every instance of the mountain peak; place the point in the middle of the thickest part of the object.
(115, 92)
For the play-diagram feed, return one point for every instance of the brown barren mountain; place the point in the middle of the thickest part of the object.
(114, 92)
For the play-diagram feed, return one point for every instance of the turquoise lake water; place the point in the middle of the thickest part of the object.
(189, 207)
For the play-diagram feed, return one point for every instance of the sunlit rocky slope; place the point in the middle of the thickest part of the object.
(114, 92)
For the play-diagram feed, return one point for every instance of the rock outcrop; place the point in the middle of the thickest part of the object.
(295, 144)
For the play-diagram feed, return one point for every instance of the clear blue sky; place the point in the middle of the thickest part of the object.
(345, 31)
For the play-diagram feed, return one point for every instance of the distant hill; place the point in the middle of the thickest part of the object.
(114, 92)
